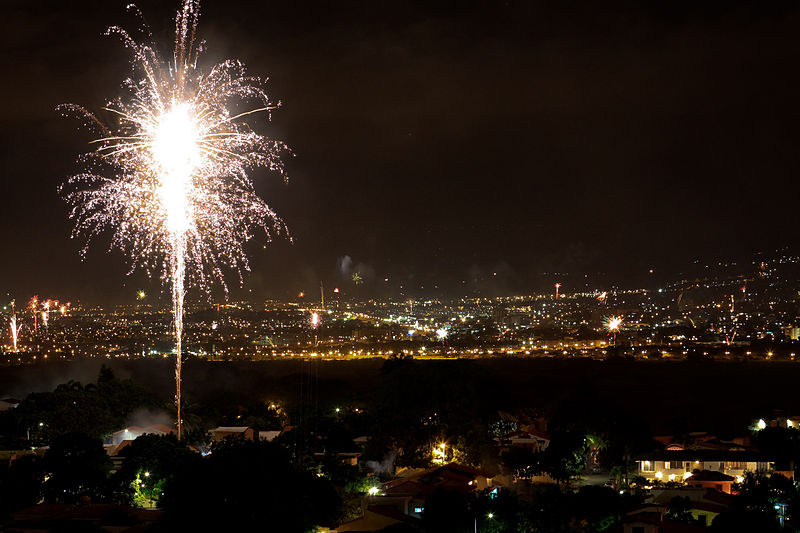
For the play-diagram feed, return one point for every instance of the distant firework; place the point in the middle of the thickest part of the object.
(612, 323)
(314, 319)
(442, 333)
(169, 179)
(14, 330)
(602, 296)
(33, 305)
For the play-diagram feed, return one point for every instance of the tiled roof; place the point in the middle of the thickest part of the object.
(710, 475)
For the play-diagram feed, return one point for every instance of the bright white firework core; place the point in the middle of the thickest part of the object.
(177, 154)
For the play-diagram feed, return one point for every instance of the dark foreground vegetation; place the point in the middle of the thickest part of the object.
(607, 410)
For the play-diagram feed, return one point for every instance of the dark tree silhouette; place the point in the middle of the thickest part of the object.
(78, 468)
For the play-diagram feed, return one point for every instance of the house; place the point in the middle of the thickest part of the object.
(95, 517)
(345, 458)
(451, 476)
(704, 503)
(408, 492)
(402, 500)
(709, 479)
(134, 432)
(223, 432)
(678, 460)
(8, 403)
(652, 523)
(377, 517)
(532, 439)
(268, 436)
(679, 466)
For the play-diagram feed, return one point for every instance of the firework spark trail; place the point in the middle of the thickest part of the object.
(33, 303)
(14, 330)
(180, 201)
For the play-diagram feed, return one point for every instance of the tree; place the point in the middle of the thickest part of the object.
(95, 410)
(21, 484)
(564, 457)
(521, 461)
(151, 461)
(781, 443)
(767, 494)
(446, 511)
(551, 509)
(245, 485)
(78, 467)
(756, 506)
(680, 510)
(598, 506)
(745, 521)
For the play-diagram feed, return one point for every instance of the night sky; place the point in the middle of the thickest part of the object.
(436, 144)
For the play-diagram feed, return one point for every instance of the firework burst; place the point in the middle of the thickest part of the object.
(169, 178)
(612, 325)
(14, 330)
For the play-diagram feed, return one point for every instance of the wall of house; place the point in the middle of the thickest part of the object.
(736, 469)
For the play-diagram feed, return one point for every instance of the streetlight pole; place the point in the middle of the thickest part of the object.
(489, 516)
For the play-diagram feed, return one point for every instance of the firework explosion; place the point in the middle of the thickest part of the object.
(33, 303)
(612, 325)
(169, 176)
(14, 330)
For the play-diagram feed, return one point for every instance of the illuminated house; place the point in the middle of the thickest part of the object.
(704, 452)
(680, 465)
(223, 432)
(134, 432)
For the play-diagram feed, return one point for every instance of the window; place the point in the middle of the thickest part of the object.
(675, 465)
(647, 466)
